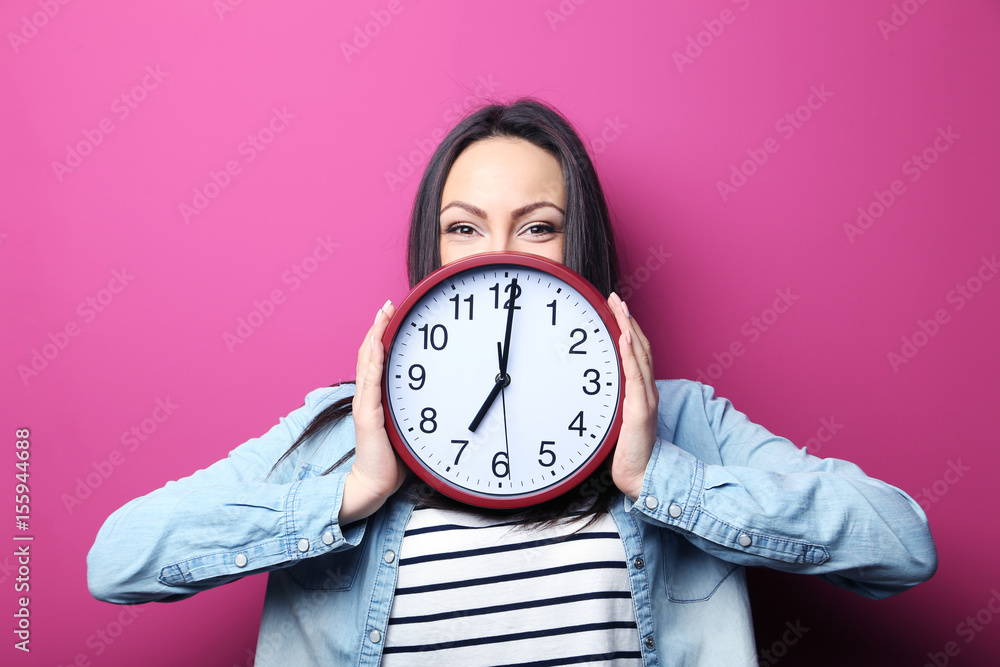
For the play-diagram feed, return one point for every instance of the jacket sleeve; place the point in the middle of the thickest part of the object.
(772, 504)
(222, 522)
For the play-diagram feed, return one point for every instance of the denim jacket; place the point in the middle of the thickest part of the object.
(719, 493)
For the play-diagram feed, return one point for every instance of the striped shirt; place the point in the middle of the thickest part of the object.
(475, 590)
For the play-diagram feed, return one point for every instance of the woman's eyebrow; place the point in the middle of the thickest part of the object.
(525, 210)
(474, 210)
(517, 213)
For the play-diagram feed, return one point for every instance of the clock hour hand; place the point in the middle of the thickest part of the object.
(501, 381)
(497, 386)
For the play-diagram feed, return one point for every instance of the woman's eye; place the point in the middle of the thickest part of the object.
(540, 229)
(460, 229)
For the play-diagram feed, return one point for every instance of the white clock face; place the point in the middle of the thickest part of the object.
(466, 422)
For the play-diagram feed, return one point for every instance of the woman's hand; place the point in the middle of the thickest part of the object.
(638, 433)
(377, 471)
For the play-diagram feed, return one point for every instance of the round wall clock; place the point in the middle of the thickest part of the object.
(503, 382)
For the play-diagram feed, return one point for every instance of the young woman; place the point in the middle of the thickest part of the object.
(642, 564)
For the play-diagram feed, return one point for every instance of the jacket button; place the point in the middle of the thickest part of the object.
(327, 538)
(303, 545)
(389, 556)
(240, 560)
(745, 540)
(651, 502)
(375, 636)
(650, 642)
(639, 563)
(674, 510)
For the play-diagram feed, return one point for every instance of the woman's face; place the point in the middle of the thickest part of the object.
(503, 194)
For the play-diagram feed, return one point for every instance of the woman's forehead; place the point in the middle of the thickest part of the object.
(500, 169)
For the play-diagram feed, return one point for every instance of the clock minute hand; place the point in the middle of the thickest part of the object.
(510, 322)
(502, 379)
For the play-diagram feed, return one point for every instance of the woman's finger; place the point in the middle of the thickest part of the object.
(629, 344)
(633, 370)
(645, 355)
(639, 347)
(361, 373)
(626, 322)
(636, 329)
(371, 396)
(364, 354)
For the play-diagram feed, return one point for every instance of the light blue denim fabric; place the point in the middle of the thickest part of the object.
(720, 493)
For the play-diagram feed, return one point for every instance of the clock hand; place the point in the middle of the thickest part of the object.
(510, 321)
(497, 386)
(506, 445)
(502, 378)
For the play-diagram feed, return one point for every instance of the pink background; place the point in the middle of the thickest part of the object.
(664, 132)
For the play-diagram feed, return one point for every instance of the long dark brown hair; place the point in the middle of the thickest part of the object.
(589, 249)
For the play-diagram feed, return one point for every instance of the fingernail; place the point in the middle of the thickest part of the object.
(625, 308)
(628, 336)
(388, 302)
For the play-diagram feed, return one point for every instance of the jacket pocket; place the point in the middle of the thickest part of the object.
(690, 574)
(329, 572)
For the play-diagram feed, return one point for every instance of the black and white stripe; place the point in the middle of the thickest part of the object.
(476, 590)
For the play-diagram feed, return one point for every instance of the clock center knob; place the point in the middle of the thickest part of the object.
(505, 377)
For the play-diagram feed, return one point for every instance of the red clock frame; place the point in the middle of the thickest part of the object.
(528, 261)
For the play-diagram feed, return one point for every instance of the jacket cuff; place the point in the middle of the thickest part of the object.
(671, 488)
(308, 527)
